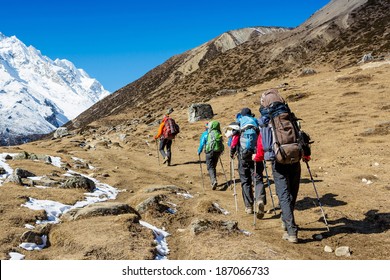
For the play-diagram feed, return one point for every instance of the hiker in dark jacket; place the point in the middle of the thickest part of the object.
(246, 168)
(213, 151)
(165, 144)
(287, 178)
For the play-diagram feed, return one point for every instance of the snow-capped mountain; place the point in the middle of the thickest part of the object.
(38, 94)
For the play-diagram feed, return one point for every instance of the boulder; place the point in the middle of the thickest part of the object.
(31, 237)
(197, 112)
(61, 132)
(367, 58)
(22, 173)
(152, 202)
(99, 209)
(200, 225)
(79, 182)
(14, 179)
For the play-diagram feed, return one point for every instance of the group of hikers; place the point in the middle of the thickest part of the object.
(274, 137)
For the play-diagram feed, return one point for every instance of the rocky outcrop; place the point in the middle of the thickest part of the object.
(79, 182)
(197, 112)
(99, 209)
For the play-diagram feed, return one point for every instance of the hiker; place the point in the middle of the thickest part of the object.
(232, 133)
(286, 175)
(247, 168)
(211, 142)
(167, 134)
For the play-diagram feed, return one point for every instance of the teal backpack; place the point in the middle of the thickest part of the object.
(214, 138)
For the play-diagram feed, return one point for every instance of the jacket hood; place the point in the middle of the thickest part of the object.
(214, 125)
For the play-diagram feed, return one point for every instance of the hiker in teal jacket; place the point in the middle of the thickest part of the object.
(212, 149)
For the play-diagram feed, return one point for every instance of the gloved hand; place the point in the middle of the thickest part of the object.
(306, 158)
(232, 154)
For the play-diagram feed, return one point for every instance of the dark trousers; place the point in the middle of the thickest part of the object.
(211, 162)
(246, 169)
(165, 148)
(287, 177)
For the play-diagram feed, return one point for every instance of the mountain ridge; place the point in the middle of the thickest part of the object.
(257, 60)
(38, 94)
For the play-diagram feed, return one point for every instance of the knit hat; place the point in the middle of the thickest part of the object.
(170, 110)
(246, 112)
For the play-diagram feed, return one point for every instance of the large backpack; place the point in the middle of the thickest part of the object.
(289, 142)
(171, 129)
(248, 136)
(214, 138)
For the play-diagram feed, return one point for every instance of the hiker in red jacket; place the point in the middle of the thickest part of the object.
(165, 144)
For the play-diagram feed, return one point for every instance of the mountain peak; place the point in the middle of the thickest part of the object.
(38, 94)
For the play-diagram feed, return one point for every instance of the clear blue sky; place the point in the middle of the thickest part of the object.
(118, 41)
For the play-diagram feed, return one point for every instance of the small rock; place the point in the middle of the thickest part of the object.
(376, 164)
(31, 237)
(328, 249)
(318, 237)
(343, 251)
(2, 171)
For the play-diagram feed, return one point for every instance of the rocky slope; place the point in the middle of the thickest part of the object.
(355, 28)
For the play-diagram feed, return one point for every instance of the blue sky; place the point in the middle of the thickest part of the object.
(118, 41)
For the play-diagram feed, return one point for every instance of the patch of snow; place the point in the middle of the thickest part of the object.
(160, 239)
(16, 256)
(6, 167)
(53, 209)
(185, 195)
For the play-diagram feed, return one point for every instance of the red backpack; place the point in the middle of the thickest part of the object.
(170, 129)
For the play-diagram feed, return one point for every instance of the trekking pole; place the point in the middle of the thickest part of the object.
(223, 170)
(158, 154)
(201, 173)
(234, 183)
(269, 186)
(319, 202)
(254, 194)
(231, 174)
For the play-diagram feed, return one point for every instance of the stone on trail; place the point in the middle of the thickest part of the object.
(343, 251)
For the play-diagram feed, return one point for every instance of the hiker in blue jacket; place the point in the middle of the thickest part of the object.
(249, 128)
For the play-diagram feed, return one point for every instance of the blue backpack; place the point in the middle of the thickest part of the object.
(267, 139)
(249, 129)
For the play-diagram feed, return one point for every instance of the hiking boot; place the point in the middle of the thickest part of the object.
(165, 160)
(260, 210)
(290, 238)
(214, 185)
(249, 210)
